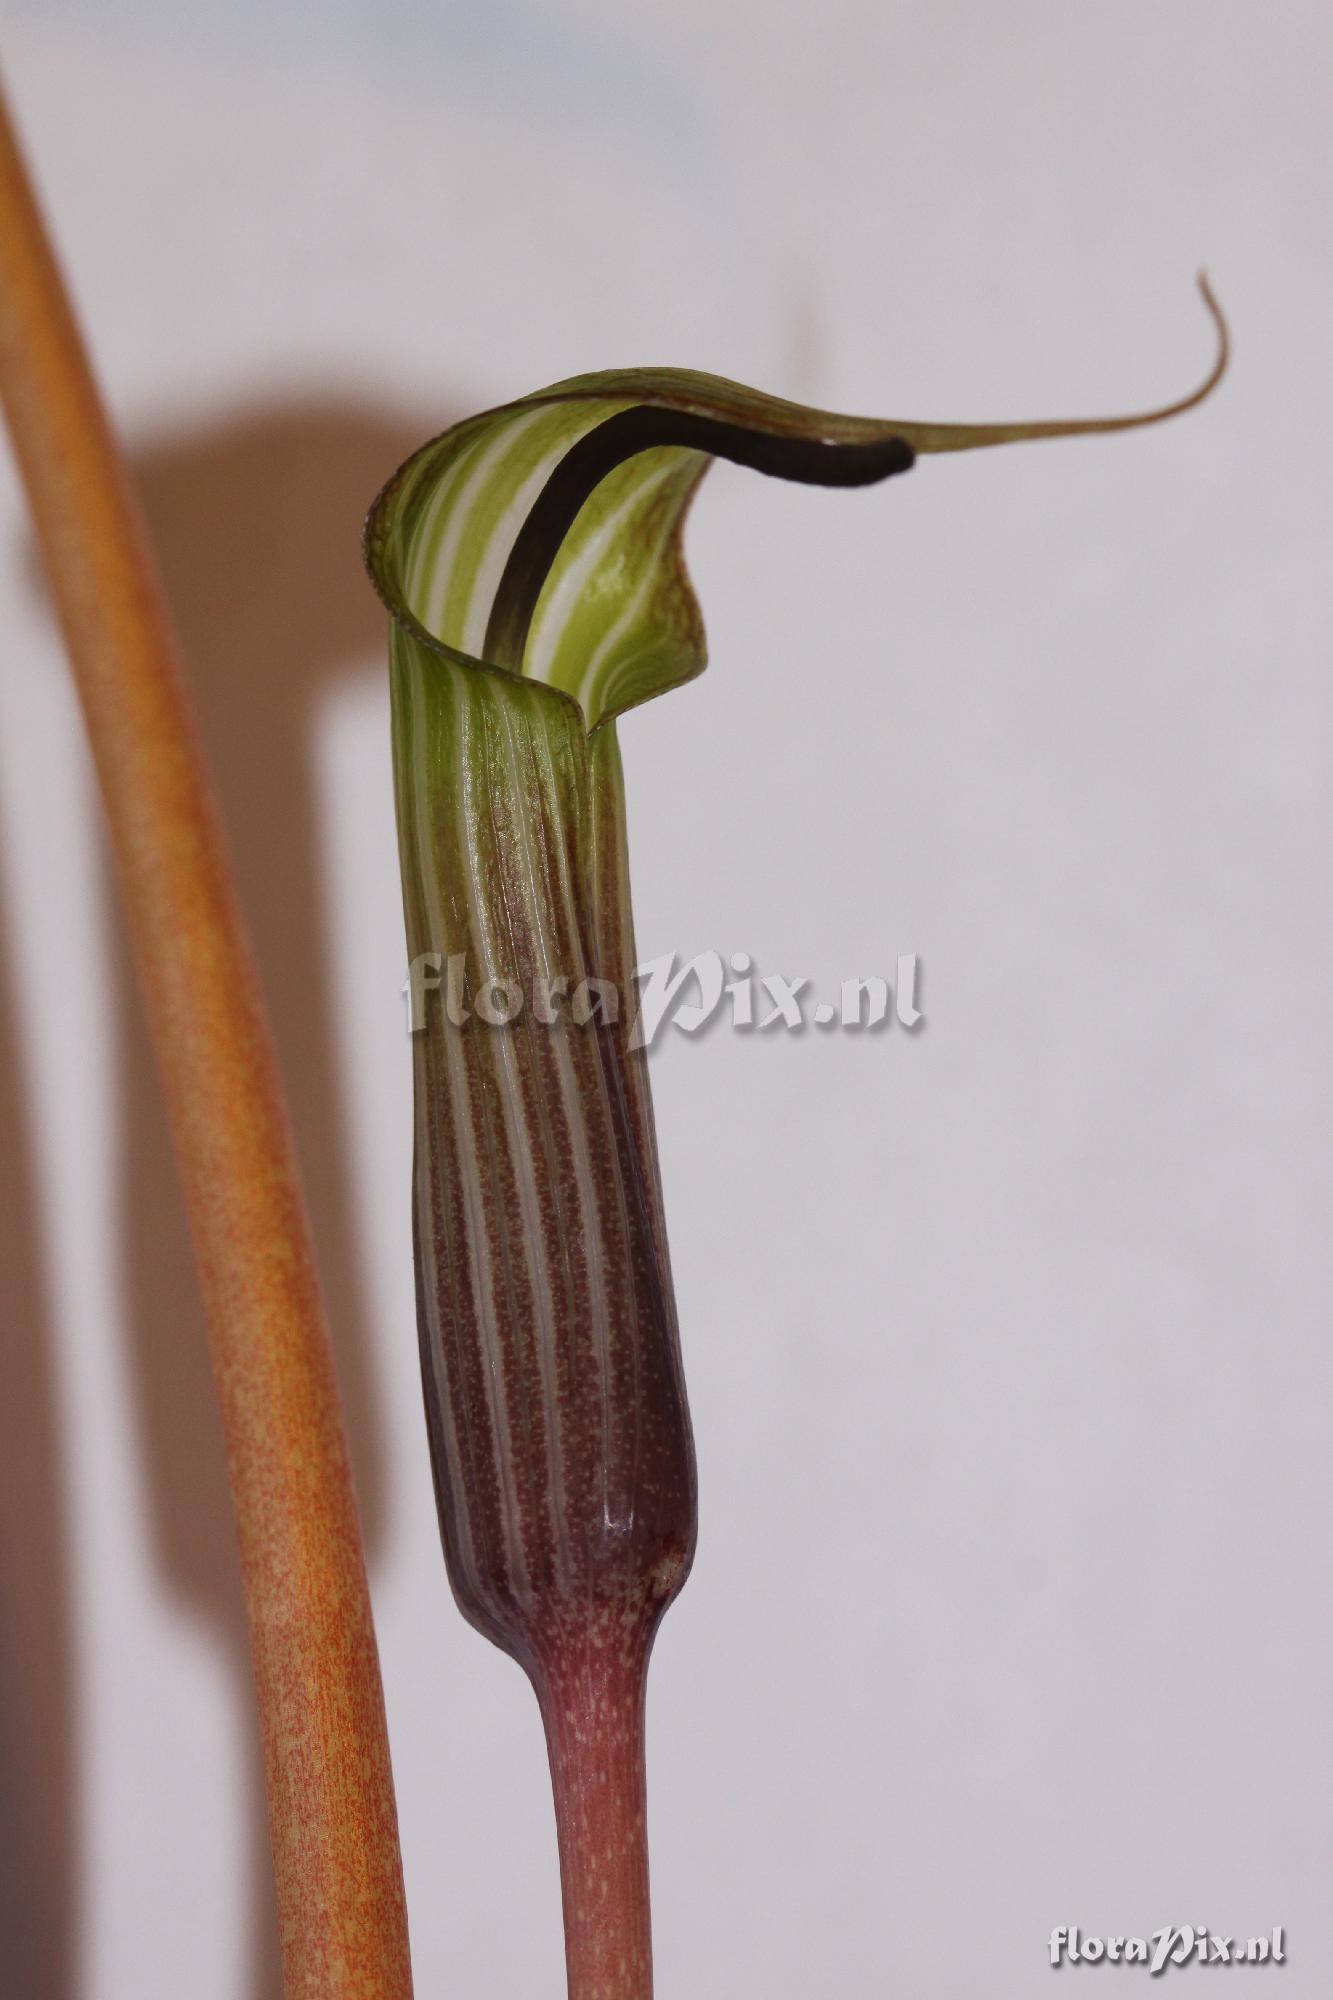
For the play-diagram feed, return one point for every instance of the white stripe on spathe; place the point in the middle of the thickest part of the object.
(440, 1283)
(478, 1180)
(475, 616)
(621, 625)
(468, 497)
(419, 565)
(561, 601)
(466, 1141)
(526, 1148)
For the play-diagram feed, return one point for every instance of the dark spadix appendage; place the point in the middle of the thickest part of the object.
(531, 560)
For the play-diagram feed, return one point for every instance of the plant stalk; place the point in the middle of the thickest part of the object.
(593, 1709)
(331, 1808)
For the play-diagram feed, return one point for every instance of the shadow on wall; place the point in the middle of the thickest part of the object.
(39, 1827)
(256, 518)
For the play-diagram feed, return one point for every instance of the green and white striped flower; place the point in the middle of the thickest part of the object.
(531, 560)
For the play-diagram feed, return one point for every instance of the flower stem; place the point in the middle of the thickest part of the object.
(593, 1708)
(330, 1794)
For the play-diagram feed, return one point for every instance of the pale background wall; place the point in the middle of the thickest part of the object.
(1007, 1343)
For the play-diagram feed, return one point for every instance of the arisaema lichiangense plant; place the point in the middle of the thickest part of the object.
(531, 559)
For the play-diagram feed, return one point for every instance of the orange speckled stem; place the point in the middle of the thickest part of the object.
(330, 1791)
